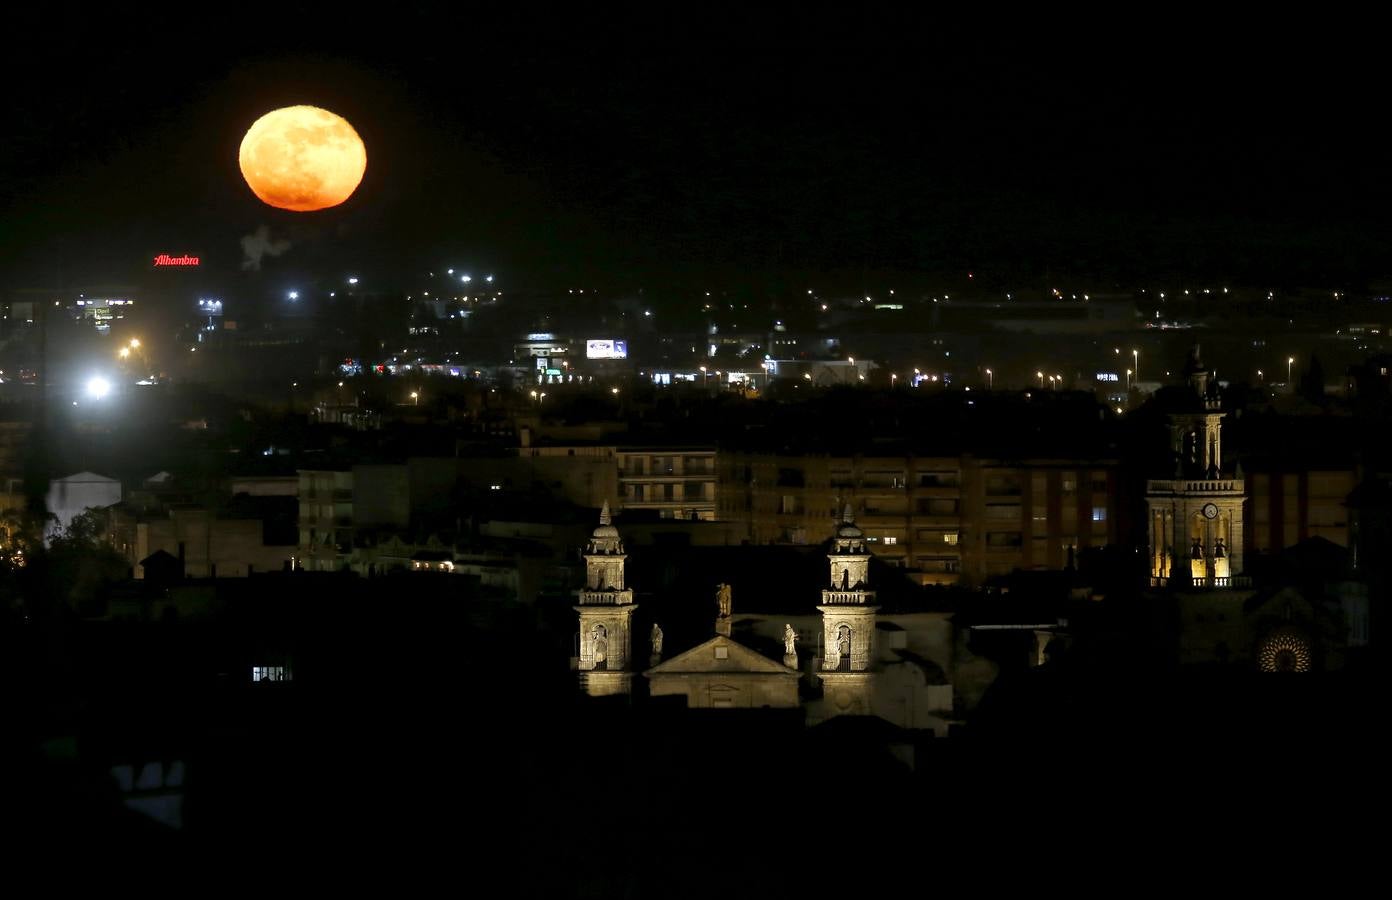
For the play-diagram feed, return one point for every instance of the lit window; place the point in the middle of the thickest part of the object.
(1099, 514)
(949, 537)
(270, 673)
(891, 540)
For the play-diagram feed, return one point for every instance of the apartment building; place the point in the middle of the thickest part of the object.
(677, 482)
(946, 520)
(674, 482)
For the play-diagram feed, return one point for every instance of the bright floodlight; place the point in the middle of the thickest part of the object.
(135, 342)
(294, 295)
(98, 387)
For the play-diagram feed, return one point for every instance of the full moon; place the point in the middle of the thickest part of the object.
(302, 158)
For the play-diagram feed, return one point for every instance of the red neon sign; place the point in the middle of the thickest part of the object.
(164, 259)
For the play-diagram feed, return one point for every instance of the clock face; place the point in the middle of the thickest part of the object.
(1210, 511)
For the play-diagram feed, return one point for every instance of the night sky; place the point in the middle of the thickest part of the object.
(701, 144)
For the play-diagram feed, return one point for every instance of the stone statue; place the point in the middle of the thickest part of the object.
(656, 640)
(789, 640)
(599, 646)
(723, 600)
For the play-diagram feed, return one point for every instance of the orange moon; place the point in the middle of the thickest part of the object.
(302, 158)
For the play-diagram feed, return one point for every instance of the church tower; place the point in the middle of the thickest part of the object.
(1196, 518)
(606, 614)
(848, 623)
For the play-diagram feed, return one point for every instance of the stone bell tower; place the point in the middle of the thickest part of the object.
(606, 614)
(1196, 517)
(848, 623)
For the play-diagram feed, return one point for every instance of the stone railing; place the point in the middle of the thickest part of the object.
(605, 597)
(1232, 581)
(1196, 486)
(842, 597)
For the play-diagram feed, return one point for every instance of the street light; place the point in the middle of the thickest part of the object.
(415, 398)
(1136, 363)
(124, 353)
(1040, 376)
(1289, 362)
(703, 376)
(990, 381)
(98, 387)
(1261, 379)
(1128, 379)
(135, 343)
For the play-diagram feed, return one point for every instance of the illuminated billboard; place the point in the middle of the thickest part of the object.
(606, 349)
(164, 259)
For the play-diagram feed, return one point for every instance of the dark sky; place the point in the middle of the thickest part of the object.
(677, 144)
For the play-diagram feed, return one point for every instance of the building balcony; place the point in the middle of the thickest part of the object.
(667, 479)
(675, 503)
(952, 521)
(946, 492)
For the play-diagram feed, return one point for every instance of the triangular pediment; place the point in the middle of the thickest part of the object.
(705, 659)
(85, 478)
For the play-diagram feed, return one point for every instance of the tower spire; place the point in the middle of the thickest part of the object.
(606, 614)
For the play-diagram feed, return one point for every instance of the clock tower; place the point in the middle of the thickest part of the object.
(1196, 518)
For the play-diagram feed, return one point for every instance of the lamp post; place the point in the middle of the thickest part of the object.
(703, 376)
(415, 398)
(1136, 363)
(990, 380)
(1128, 379)
(1290, 361)
(1040, 376)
